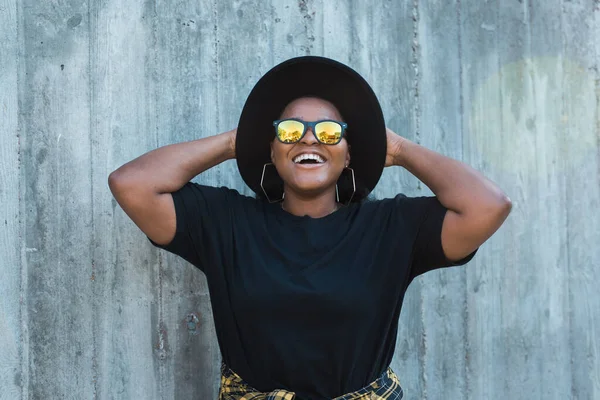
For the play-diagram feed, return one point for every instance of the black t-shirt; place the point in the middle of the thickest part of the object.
(310, 305)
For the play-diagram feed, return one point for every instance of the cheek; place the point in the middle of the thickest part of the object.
(279, 158)
(340, 155)
(276, 151)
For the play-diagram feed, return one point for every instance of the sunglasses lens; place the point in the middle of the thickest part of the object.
(329, 132)
(289, 131)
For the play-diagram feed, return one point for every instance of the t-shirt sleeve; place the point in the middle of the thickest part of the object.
(202, 219)
(427, 254)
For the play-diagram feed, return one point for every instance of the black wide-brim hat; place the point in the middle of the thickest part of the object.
(321, 77)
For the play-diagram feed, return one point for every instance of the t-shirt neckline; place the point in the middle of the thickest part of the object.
(286, 214)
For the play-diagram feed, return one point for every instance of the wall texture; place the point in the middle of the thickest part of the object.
(90, 310)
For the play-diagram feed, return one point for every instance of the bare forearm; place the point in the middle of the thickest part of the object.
(168, 168)
(458, 186)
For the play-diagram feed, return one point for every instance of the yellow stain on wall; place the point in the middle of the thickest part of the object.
(533, 112)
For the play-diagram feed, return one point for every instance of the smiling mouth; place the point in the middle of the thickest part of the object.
(307, 159)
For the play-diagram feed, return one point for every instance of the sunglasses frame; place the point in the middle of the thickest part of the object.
(312, 125)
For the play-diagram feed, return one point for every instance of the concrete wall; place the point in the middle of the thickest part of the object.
(89, 310)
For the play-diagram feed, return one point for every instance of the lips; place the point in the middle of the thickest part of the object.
(314, 157)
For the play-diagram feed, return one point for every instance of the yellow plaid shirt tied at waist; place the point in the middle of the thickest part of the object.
(386, 387)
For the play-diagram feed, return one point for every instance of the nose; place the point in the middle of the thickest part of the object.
(309, 137)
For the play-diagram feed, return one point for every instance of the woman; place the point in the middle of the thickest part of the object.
(307, 280)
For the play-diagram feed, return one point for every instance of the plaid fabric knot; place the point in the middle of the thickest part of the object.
(234, 388)
(386, 387)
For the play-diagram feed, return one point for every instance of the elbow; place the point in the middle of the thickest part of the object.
(127, 186)
(506, 204)
(118, 181)
(122, 189)
(500, 208)
(114, 179)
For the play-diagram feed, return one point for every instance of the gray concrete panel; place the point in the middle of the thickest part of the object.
(57, 234)
(11, 338)
(440, 107)
(124, 270)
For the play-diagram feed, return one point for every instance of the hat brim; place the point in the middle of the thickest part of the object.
(321, 77)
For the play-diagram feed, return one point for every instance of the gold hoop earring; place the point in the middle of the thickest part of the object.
(337, 194)
(262, 178)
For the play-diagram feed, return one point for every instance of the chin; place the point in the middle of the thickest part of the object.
(310, 186)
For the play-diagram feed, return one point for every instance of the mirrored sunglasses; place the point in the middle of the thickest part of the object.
(292, 130)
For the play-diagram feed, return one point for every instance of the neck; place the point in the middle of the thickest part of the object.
(315, 207)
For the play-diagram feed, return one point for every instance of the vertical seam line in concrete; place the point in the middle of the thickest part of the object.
(216, 58)
(596, 69)
(415, 65)
(416, 82)
(215, 5)
(352, 58)
(161, 353)
(504, 382)
(530, 72)
(527, 8)
(310, 30)
(371, 26)
(461, 101)
(270, 32)
(92, 242)
(307, 21)
(499, 59)
(417, 110)
(23, 314)
(461, 109)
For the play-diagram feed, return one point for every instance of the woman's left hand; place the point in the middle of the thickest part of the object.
(394, 148)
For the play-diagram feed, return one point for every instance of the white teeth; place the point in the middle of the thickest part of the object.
(309, 156)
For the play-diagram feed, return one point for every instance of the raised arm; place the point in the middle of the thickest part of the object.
(143, 186)
(476, 206)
